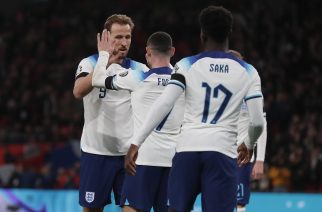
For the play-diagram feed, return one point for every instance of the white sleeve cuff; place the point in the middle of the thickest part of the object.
(99, 74)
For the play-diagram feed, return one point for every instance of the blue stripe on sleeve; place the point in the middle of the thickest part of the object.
(252, 97)
(175, 82)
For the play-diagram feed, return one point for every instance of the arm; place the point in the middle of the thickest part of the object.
(99, 73)
(83, 82)
(160, 108)
(258, 169)
(256, 121)
(125, 80)
(82, 86)
(103, 68)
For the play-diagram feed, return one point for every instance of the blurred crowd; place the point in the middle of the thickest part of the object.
(42, 42)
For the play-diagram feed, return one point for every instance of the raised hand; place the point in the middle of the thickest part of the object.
(102, 41)
(105, 42)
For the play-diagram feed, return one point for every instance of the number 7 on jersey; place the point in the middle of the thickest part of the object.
(222, 106)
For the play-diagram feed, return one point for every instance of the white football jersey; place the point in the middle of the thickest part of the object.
(108, 123)
(216, 83)
(243, 123)
(159, 147)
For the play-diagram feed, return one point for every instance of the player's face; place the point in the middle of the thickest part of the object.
(122, 35)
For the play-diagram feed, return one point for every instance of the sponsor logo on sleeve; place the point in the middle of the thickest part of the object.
(123, 74)
(176, 68)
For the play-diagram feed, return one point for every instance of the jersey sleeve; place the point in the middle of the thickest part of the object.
(178, 77)
(255, 90)
(84, 68)
(261, 143)
(182, 67)
(126, 79)
(178, 80)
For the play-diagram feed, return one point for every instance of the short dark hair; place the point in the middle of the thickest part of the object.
(216, 23)
(160, 42)
(119, 19)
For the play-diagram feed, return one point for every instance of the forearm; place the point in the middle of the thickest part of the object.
(161, 107)
(261, 144)
(256, 125)
(100, 72)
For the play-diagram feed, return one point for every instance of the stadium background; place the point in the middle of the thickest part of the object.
(42, 42)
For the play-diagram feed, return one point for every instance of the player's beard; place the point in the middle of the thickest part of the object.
(121, 53)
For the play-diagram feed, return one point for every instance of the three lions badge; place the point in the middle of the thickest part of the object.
(89, 196)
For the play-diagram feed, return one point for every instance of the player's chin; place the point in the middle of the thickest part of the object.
(122, 54)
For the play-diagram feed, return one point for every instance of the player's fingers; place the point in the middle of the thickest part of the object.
(132, 168)
(259, 176)
(240, 158)
(256, 176)
(104, 35)
(129, 169)
(244, 160)
(108, 36)
(98, 37)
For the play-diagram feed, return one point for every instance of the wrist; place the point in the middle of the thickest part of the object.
(104, 53)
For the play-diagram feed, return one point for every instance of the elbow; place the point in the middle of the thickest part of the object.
(259, 124)
(77, 94)
(258, 129)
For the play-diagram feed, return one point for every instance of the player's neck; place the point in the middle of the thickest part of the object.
(215, 46)
(160, 62)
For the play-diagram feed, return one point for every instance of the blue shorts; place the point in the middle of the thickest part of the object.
(211, 173)
(243, 183)
(99, 175)
(147, 189)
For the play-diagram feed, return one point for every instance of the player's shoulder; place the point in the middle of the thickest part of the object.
(128, 63)
(249, 68)
(186, 62)
(157, 72)
(90, 60)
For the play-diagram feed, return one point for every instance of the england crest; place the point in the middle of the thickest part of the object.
(89, 196)
(123, 74)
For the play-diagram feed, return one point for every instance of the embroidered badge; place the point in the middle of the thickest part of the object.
(123, 74)
(89, 197)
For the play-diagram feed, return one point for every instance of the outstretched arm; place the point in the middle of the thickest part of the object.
(160, 108)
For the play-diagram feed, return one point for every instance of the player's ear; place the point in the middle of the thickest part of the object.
(172, 51)
(203, 37)
(148, 51)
